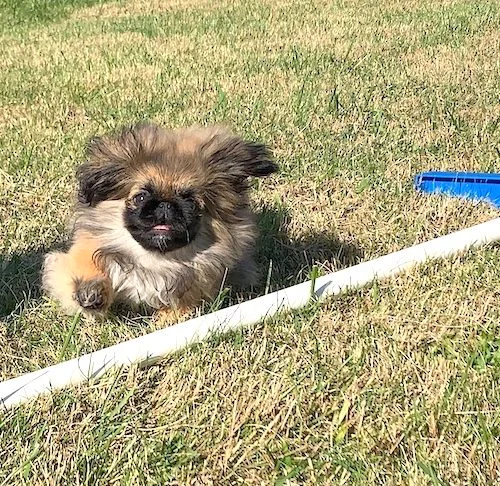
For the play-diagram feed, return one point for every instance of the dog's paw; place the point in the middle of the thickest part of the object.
(93, 295)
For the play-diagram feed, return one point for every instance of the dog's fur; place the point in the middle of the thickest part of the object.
(203, 173)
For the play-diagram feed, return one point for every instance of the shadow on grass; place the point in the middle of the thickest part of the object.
(290, 260)
(20, 279)
(24, 13)
(287, 261)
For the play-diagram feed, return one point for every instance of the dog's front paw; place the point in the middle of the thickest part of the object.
(93, 295)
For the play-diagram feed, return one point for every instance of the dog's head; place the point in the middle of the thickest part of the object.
(171, 180)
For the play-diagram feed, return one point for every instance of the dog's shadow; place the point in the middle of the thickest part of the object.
(282, 261)
(20, 279)
(286, 260)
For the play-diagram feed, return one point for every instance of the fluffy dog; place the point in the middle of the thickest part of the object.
(162, 219)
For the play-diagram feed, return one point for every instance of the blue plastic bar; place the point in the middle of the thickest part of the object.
(478, 186)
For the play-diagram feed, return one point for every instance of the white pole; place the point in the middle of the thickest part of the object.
(151, 347)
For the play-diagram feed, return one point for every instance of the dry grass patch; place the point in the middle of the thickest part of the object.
(473, 63)
(132, 8)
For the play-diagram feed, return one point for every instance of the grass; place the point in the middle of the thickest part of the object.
(394, 384)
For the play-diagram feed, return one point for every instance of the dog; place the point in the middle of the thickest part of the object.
(162, 218)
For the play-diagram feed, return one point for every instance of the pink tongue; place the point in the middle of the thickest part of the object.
(162, 227)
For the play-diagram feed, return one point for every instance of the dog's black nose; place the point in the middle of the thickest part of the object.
(165, 205)
(166, 210)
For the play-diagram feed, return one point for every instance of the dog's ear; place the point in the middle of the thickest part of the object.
(239, 159)
(230, 162)
(103, 176)
(111, 161)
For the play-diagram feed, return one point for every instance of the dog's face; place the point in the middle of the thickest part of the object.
(170, 181)
(163, 222)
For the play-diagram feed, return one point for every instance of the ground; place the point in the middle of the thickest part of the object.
(394, 384)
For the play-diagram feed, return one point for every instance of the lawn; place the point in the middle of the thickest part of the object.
(398, 383)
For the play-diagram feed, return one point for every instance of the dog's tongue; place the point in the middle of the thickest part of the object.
(162, 227)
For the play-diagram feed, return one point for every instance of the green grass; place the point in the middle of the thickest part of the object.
(29, 13)
(393, 384)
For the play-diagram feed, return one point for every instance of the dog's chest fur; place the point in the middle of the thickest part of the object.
(143, 277)
(143, 284)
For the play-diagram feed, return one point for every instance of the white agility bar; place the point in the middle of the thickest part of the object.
(151, 347)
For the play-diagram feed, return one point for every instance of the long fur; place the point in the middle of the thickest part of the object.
(105, 263)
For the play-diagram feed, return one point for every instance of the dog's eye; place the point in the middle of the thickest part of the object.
(140, 197)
